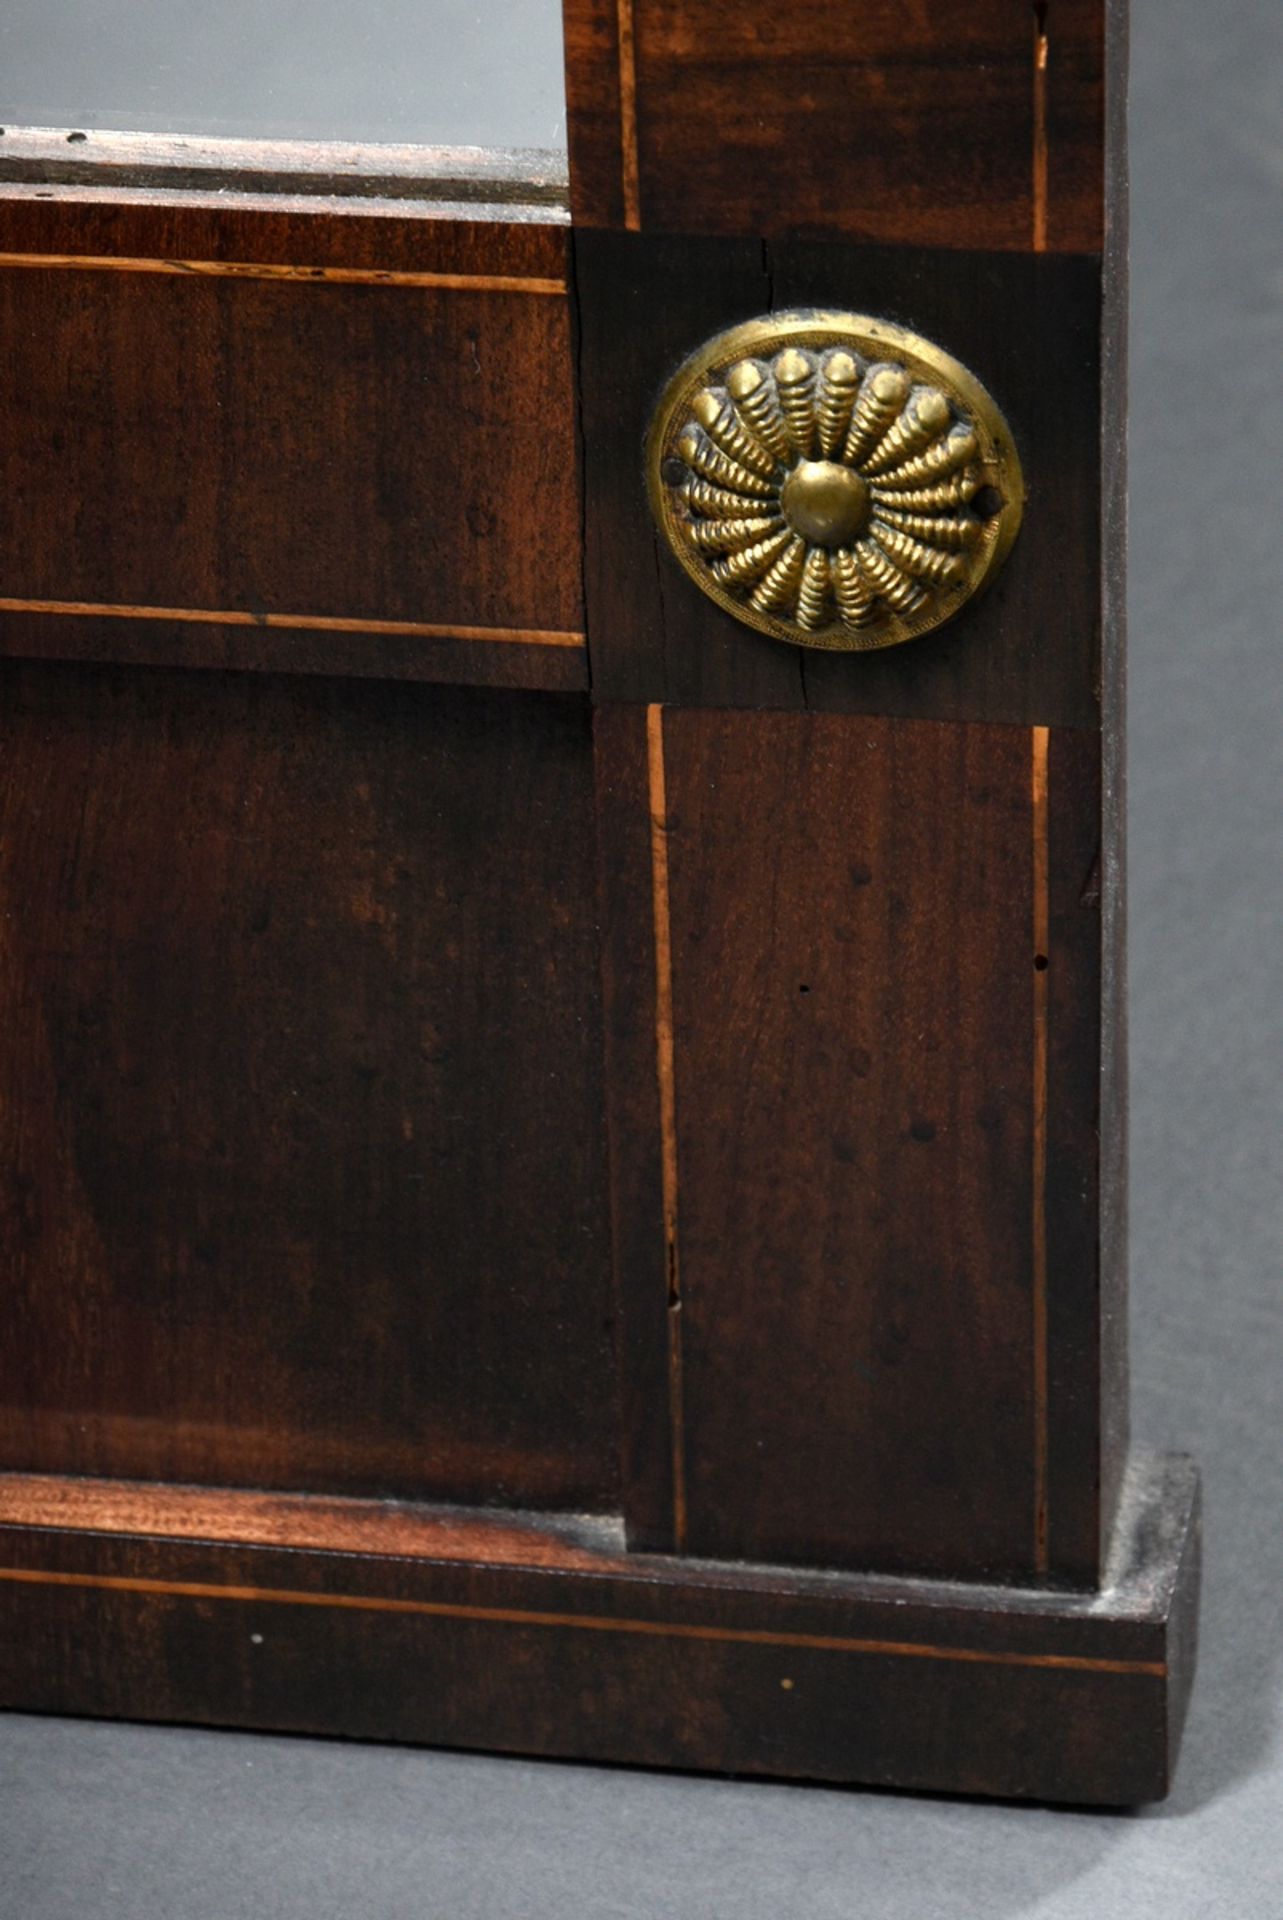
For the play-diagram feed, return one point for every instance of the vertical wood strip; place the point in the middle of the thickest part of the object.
(1041, 928)
(1041, 51)
(628, 116)
(1082, 1293)
(664, 1068)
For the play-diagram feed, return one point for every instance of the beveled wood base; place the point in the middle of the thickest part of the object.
(527, 1634)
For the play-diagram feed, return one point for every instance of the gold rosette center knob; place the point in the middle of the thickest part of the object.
(825, 503)
(833, 480)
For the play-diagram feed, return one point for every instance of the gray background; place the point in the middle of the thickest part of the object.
(155, 1824)
(444, 72)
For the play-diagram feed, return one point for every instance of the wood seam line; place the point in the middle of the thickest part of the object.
(1041, 55)
(258, 270)
(1041, 937)
(665, 1073)
(309, 622)
(587, 1622)
(628, 160)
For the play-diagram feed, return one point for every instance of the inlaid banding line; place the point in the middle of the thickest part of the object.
(665, 1073)
(1041, 934)
(589, 1623)
(1039, 190)
(266, 270)
(299, 622)
(628, 161)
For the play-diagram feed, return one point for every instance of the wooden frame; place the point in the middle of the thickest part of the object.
(566, 1159)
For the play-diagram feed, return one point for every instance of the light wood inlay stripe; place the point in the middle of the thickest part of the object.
(1041, 932)
(589, 1623)
(628, 116)
(1041, 54)
(308, 622)
(260, 270)
(666, 1076)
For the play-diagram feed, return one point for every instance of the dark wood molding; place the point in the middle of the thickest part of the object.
(559, 1643)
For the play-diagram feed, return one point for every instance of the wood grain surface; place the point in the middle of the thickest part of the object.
(316, 233)
(668, 1090)
(970, 123)
(1086, 1281)
(250, 1516)
(302, 1151)
(331, 425)
(854, 1051)
(870, 1324)
(663, 1662)
(884, 1130)
(627, 823)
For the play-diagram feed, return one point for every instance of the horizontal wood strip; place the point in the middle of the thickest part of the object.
(593, 1623)
(330, 1524)
(309, 622)
(208, 647)
(288, 271)
(523, 180)
(279, 229)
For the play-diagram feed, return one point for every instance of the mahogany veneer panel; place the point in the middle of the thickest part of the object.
(882, 1138)
(300, 1087)
(943, 126)
(290, 425)
(853, 1016)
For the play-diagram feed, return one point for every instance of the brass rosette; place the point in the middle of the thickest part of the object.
(833, 480)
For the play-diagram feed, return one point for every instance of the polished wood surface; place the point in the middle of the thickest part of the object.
(247, 424)
(301, 1095)
(855, 1139)
(250, 1517)
(564, 1162)
(971, 123)
(883, 1133)
(630, 821)
(592, 1654)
